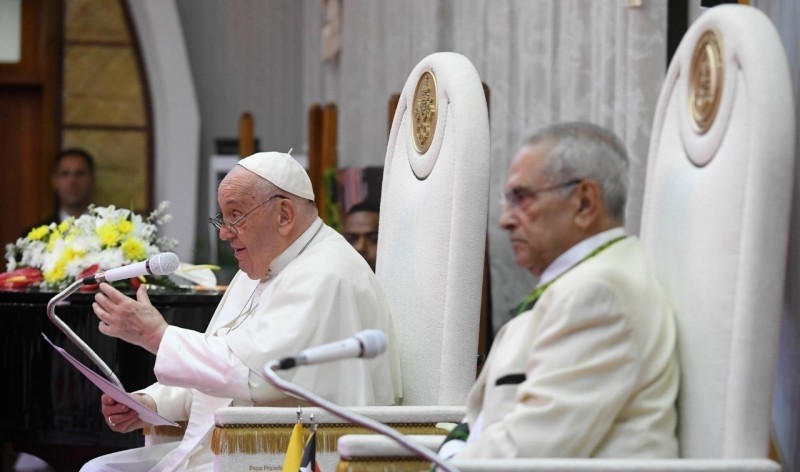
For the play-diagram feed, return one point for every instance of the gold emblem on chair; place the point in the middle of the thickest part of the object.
(424, 111)
(705, 81)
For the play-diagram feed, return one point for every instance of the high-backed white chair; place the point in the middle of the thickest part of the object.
(715, 226)
(434, 208)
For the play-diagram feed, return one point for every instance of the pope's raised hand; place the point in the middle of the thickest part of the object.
(135, 321)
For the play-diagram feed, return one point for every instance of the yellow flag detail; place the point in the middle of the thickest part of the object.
(294, 453)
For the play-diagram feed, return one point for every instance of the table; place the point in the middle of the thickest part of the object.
(51, 410)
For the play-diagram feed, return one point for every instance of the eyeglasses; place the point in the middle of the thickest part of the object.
(218, 222)
(520, 197)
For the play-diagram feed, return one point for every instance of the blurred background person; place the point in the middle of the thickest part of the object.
(73, 184)
(361, 229)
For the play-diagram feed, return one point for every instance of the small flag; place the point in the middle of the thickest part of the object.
(294, 453)
(309, 462)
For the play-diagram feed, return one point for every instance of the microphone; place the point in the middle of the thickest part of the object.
(161, 264)
(365, 344)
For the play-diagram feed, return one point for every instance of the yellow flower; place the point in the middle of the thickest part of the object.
(64, 225)
(38, 233)
(55, 236)
(109, 235)
(124, 227)
(133, 249)
(70, 254)
(57, 273)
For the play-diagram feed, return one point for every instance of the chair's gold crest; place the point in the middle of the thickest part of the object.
(424, 112)
(706, 81)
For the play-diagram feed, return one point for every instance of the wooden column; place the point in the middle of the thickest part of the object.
(247, 141)
(393, 101)
(330, 127)
(315, 151)
(327, 198)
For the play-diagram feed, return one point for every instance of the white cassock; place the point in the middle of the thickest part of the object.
(319, 290)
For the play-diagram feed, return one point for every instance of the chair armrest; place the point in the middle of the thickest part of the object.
(244, 416)
(613, 465)
(358, 451)
(247, 437)
(354, 446)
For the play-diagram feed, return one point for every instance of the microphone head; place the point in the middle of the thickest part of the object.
(373, 343)
(164, 263)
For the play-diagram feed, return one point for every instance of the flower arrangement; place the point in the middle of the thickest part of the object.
(53, 256)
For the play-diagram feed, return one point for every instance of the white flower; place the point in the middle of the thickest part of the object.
(106, 236)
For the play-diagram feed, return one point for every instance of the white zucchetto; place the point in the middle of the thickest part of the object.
(282, 170)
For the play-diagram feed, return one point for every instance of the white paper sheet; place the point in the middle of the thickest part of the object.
(146, 414)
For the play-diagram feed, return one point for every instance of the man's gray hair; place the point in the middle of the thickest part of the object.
(580, 150)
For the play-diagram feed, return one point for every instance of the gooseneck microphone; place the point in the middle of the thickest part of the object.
(160, 264)
(164, 263)
(365, 344)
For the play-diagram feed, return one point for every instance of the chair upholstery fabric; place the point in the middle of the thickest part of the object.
(715, 226)
(431, 250)
(355, 447)
(432, 234)
(328, 424)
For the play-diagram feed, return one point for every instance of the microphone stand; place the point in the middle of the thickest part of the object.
(369, 423)
(51, 313)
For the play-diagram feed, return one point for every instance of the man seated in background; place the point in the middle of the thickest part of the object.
(73, 183)
(361, 229)
(300, 285)
(588, 367)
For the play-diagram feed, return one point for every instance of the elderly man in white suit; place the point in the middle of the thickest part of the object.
(588, 366)
(300, 285)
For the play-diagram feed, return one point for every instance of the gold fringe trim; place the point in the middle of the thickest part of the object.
(166, 430)
(274, 439)
(385, 464)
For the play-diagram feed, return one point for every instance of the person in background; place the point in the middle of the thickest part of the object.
(588, 366)
(361, 229)
(73, 183)
(299, 285)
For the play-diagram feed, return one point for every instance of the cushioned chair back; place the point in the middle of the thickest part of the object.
(716, 220)
(434, 205)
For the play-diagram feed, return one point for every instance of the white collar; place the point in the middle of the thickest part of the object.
(577, 253)
(294, 249)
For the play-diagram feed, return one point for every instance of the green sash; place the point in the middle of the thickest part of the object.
(531, 299)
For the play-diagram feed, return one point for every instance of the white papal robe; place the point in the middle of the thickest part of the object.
(319, 290)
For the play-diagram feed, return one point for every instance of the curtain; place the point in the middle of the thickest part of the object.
(544, 61)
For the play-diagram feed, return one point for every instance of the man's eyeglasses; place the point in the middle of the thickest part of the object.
(218, 222)
(519, 197)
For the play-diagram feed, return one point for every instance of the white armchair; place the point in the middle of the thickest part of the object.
(431, 248)
(715, 227)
